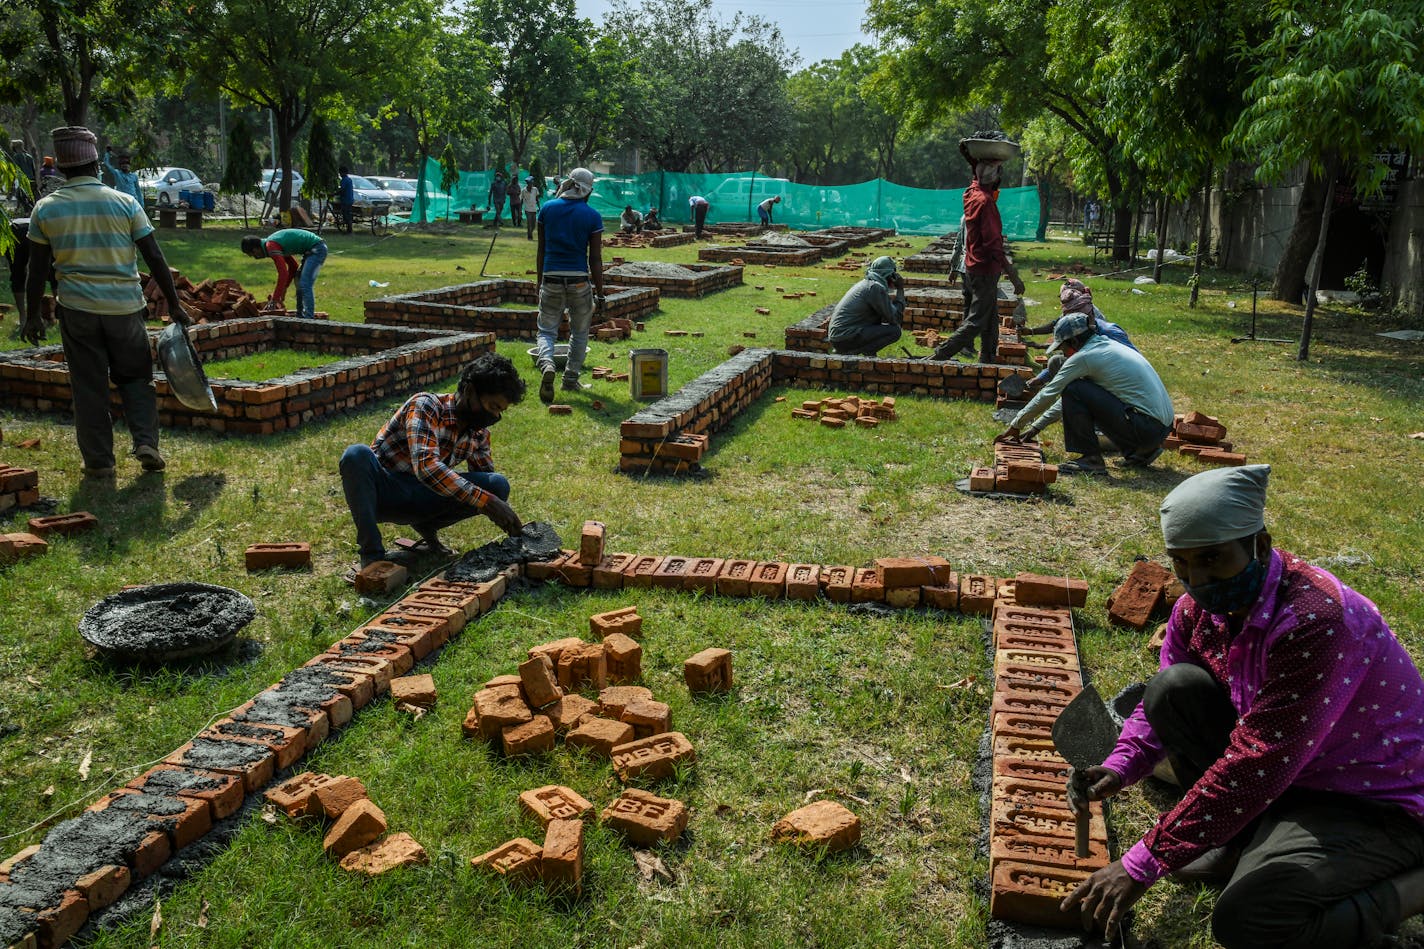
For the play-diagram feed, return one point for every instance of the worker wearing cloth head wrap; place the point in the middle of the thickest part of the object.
(570, 275)
(866, 320)
(1074, 297)
(1293, 719)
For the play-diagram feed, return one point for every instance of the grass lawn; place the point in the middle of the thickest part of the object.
(269, 365)
(874, 712)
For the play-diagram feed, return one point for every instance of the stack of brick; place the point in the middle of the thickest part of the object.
(829, 246)
(475, 307)
(206, 302)
(1018, 469)
(838, 413)
(1204, 438)
(854, 236)
(769, 254)
(1032, 860)
(19, 487)
(610, 331)
(1148, 587)
(937, 257)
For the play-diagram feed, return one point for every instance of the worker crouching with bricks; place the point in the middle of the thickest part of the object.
(407, 475)
(1293, 718)
(867, 318)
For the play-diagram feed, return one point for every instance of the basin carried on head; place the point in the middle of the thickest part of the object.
(990, 149)
(165, 622)
(561, 356)
(184, 369)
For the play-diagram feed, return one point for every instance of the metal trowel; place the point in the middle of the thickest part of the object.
(1084, 734)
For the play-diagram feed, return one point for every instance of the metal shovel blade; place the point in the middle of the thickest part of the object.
(1084, 734)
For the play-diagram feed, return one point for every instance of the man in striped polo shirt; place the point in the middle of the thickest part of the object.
(89, 232)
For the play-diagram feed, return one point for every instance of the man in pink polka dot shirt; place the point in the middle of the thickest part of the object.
(1294, 720)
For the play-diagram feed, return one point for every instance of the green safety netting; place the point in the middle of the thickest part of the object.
(734, 197)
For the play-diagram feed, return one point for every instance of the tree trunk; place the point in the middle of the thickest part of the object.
(1045, 207)
(1164, 207)
(1203, 238)
(1317, 261)
(1137, 231)
(1290, 277)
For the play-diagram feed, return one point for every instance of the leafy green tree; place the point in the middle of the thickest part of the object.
(593, 118)
(322, 171)
(243, 172)
(1336, 82)
(449, 170)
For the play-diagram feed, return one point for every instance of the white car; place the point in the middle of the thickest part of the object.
(367, 193)
(402, 192)
(272, 181)
(166, 183)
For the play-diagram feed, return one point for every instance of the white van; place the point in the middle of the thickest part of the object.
(738, 195)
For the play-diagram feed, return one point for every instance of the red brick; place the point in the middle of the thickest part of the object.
(672, 572)
(942, 597)
(645, 818)
(358, 686)
(614, 699)
(22, 546)
(1133, 603)
(1036, 638)
(558, 409)
(600, 735)
(736, 577)
(561, 865)
(360, 824)
(647, 717)
(555, 802)
(702, 574)
(414, 634)
(1023, 725)
(182, 829)
(709, 671)
(591, 540)
(104, 886)
(556, 648)
(1206, 432)
(318, 722)
(584, 666)
(417, 691)
(293, 796)
(334, 797)
(221, 793)
(624, 620)
(1029, 769)
(1031, 472)
(388, 853)
(494, 709)
(1012, 844)
(534, 737)
(838, 583)
(1029, 616)
(14, 479)
(288, 743)
(287, 556)
(912, 571)
(1031, 893)
(569, 711)
(640, 570)
(516, 860)
(1033, 589)
(1225, 459)
(903, 598)
(63, 524)
(977, 593)
(867, 586)
(769, 580)
(624, 658)
(654, 757)
(1029, 698)
(467, 603)
(452, 617)
(543, 569)
(570, 571)
(1058, 661)
(255, 773)
(398, 658)
(507, 681)
(1021, 674)
(608, 575)
(981, 479)
(803, 581)
(1032, 749)
(820, 824)
(56, 924)
(536, 674)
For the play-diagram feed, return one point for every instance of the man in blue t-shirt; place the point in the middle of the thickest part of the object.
(570, 276)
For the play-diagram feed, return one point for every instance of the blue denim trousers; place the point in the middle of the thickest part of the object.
(306, 281)
(554, 298)
(377, 495)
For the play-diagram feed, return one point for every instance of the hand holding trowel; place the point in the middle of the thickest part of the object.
(1084, 734)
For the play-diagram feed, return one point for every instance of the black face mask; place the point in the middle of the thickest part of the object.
(476, 415)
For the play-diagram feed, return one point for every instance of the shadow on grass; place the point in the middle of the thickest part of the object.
(179, 675)
(139, 510)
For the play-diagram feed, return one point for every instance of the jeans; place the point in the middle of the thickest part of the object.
(867, 341)
(378, 495)
(99, 349)
(765, 217)
(529, 218)
(554, 298)
(1317, 865)
(306, 280)
(498, 208)
(1088, 408)
(981, 318)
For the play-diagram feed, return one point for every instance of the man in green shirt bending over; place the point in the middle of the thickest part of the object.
(283, 247)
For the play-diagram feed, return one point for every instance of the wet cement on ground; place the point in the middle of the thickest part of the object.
(652, 268)
(213, 755)
(307, 689)
(171, 781)
(538, 541)
(166, 620)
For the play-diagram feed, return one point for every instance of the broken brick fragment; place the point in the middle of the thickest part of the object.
(819, 824)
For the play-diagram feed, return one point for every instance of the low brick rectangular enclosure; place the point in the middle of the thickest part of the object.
(762, 254)
(940, 308)
(382, 361)
(829, 246)
(671, 435)
(854, 236)
(709, 278)
(475, 307)
(935, 258)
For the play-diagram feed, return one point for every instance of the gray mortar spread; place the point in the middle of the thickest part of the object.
(211, 754)
(538, 541)
(782, 240)
(306, 688)
(166, 620)
(172, 781)
(246, 730)
(652, 268)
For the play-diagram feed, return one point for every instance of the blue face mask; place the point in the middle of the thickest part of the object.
(1223, 597)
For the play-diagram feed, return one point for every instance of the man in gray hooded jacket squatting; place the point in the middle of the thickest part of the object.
(867, 319)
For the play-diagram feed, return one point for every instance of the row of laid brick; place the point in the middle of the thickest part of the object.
(475, 307)
(1032, 850)
(707, 279)
(765, 255)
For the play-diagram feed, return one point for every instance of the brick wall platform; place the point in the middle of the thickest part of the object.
(764, 254)
(382, 361)
(935, 258)
(939, 308)
(854, 236)
(736, 230)
(475, 307)
(710, 278)
(674, 239)
(829, 246)
(671, 435)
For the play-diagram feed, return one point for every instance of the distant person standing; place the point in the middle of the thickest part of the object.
(764, 210)
(1091, 212)
(50, 178)
(347, 202)
(283, 247)
(89, 233)
(125, 181)
(699, 207)
(529, 197)
(570, 277)
(515, 205)
(498, 193)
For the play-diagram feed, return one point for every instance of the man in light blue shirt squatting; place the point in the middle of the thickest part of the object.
(570, 276)
(1103, 386)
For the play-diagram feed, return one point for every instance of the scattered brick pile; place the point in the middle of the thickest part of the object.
(1148, 587)
(1032, 861)
(1204, 438)
(356, 826)
(610, 331)
(837, 413)
(207, 301)
(852, 262)
(476, 307)
(19, 487)
(1018, 469)
(381, 361)
(667, 237)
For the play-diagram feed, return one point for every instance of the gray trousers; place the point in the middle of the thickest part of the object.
(1316, 869)
(867, 341)
(981, 318)
(99, 349)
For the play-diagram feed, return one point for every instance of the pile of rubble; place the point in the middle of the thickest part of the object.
(206, 302)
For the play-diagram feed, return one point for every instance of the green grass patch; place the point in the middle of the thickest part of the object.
(272, 364)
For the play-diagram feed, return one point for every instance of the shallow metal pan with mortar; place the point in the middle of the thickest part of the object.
(165, 622)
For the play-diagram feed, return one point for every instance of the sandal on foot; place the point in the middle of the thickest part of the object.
(1077, 467)
(430, 547)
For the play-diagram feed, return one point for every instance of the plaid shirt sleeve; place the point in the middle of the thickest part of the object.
(422, 423)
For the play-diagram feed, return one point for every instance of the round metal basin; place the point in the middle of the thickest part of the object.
(165, 622)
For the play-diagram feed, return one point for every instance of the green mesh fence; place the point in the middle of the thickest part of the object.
(734, 198)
